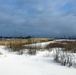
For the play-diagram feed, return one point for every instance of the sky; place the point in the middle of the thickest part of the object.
(41, 18)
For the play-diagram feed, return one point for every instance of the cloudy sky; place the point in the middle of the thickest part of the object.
(38, 17)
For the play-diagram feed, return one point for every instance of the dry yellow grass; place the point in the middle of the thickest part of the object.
(22, 41)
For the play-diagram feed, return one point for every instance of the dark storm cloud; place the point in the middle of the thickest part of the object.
(38, 17)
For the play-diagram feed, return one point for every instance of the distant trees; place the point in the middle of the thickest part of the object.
(1, 37)
(17, 37)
